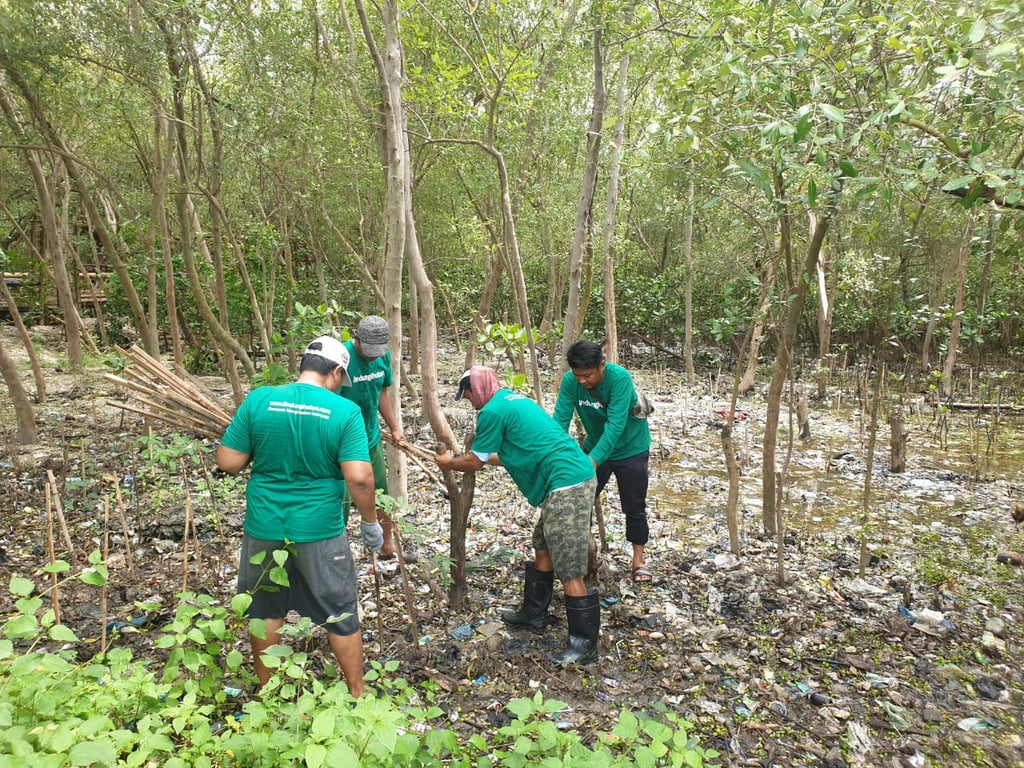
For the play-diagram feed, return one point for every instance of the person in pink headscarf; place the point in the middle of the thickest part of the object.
(551, 470)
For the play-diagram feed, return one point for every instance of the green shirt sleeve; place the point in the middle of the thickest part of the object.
(566, 403)
(619, 395)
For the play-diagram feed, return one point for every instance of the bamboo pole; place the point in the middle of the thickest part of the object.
(51, 552)
(124, 523)
(106, 560)
(60, 517)
(376, 590)
(190, 525)
(414, 452)
(409, 602)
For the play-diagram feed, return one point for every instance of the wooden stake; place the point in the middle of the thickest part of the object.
(409, 602)
(190, 525)
(50, 551)
(213, 502)
(599, 514)
(60, 517)
(376, 590)
(106, 560)
(124, 523)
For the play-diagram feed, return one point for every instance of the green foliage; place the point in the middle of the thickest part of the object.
(116, 362)
(308, 322)
(509, 341)
(165, 451)
(115, 710)
(271, 375)
(501, 340)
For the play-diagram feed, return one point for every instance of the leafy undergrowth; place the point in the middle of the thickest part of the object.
(117, 709)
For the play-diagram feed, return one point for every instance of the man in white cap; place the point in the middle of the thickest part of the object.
(306, 446)
(370, 369)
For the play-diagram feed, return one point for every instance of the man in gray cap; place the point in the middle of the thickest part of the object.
(370, 369)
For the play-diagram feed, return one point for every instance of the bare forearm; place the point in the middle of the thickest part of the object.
(464, 462)
(231, 461)
(359, 481)
(388, 414)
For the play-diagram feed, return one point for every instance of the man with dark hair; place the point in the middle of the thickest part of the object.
(370, 370)
(617, 441)
(306, 445)
(553, 473)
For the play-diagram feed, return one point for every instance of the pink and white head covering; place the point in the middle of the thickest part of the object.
(478, 385)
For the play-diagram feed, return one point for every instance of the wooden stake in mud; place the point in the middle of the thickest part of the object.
(124, 523)
(599, 514)
(376, 589)
(897, 442)
(803, 416)
(190, 527)
(60, 517)
(55, 600)
(103, 589)
(409, 604)
(869, 463)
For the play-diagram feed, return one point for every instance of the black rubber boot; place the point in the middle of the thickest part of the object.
(536, 599)
(583, 614)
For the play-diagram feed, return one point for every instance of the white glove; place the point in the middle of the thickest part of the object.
(373, 536)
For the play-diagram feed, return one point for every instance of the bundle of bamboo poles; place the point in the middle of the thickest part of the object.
(166, 396)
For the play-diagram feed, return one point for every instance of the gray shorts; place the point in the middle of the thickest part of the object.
(321, 578)
(564, 528)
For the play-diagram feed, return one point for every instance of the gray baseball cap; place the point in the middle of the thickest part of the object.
(373, 334)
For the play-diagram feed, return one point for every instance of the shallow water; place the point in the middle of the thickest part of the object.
(961, 471)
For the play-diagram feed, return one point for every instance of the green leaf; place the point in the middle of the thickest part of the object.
(21, 587)
(96, 576)
(21, 627)
(91, 752)
(323, 725)
(316, 755)
(28, 605)
(977, 31)
(833, 113)
(521, 708)
(62, 634)
(240, 603)
(848, 168)
(758, 176)
(803, 127)
(898, 109)
(279, 576)
(258, 558)
(340, 753)
(958, 183)
(1003, 50)
(57, 566)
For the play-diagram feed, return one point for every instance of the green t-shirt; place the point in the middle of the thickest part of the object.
(297, 434)
(612, 432)
(369, 377)
(539, 456)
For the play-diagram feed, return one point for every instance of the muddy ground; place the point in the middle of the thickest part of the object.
(891, 637)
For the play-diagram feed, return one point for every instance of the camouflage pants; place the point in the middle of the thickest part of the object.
(564, 528)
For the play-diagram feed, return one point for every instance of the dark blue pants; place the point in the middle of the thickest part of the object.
(632, 477)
